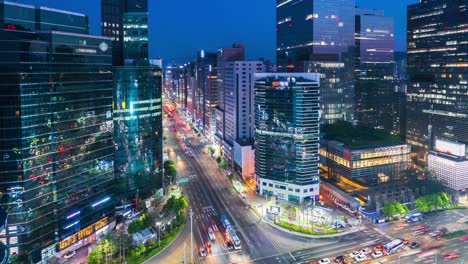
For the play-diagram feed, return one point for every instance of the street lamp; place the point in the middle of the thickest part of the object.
(158, 224)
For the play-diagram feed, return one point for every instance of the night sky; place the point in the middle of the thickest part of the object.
(179, 28)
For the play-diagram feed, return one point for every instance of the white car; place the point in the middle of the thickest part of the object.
(377, 254)
(354, 254)
(211, 233)
(324, 261)
(69, 254)
(360, 258)
(365, 251)
(202, 252)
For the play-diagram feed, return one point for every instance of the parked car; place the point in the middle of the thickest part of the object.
(354, 254)
(69, 254)
(324, 261)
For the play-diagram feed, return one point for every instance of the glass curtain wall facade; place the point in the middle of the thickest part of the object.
(437, 98)
(135, 26)
(374, 69)
(138, 128)
(56, 140)
(111, 26)
(287, 109)
(137, 112)
(311, 33)
(113, 14)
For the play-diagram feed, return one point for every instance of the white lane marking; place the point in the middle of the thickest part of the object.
(382, 233)
(292, 256)
(370, 242)
(328, 248)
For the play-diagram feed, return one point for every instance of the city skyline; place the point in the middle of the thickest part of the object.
(253, 26)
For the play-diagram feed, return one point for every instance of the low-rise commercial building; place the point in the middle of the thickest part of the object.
(362, 155)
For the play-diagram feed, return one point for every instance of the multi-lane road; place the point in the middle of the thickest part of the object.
(211, 194)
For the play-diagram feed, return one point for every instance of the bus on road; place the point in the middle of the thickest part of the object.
(410, 218)
(230, 233)
(393, 246)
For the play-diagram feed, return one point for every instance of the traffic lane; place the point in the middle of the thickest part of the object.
(254, 219)
(315, 253)
(432, 256)
(254, 238)
(207, 189)
(229, 208)
(198, 201)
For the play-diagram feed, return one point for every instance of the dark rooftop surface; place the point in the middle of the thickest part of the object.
(359, 136)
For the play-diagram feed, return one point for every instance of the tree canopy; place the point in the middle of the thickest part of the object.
(432, 202)
(170, 171)
(394, 208)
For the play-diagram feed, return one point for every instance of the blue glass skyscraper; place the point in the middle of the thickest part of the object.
(56, 140)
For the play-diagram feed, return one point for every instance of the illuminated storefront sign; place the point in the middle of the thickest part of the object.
(84, 233)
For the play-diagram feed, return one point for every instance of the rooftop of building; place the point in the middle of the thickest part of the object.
(358, 137)
(448, 156)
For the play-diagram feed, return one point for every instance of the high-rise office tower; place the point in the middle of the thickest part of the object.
(56, 140)
(374, 67)
(287, 107)
(135, 15)
(137, 111)
(239, 113)
(318, 36)
(138, 131)
(206, 93)
(111, 26)
(438, 77)
(234, 53)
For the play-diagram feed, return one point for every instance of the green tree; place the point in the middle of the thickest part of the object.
(423, 204)
(401, 208)
(183, 202)
(134, 227)
(95, 256)
(211, 150)
(389, 210)
(445, 200)
(223, 164)
(140, 249)
(444, 230)
(140, 224)
(218, 159)
(394, 208)
(170, 171)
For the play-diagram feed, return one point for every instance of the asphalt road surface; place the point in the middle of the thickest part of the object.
(211, 194)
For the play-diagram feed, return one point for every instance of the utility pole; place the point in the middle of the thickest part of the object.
(185, 251)
(191, 236)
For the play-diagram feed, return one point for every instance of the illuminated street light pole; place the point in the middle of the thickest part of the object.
(158, 224)
(191, 235)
